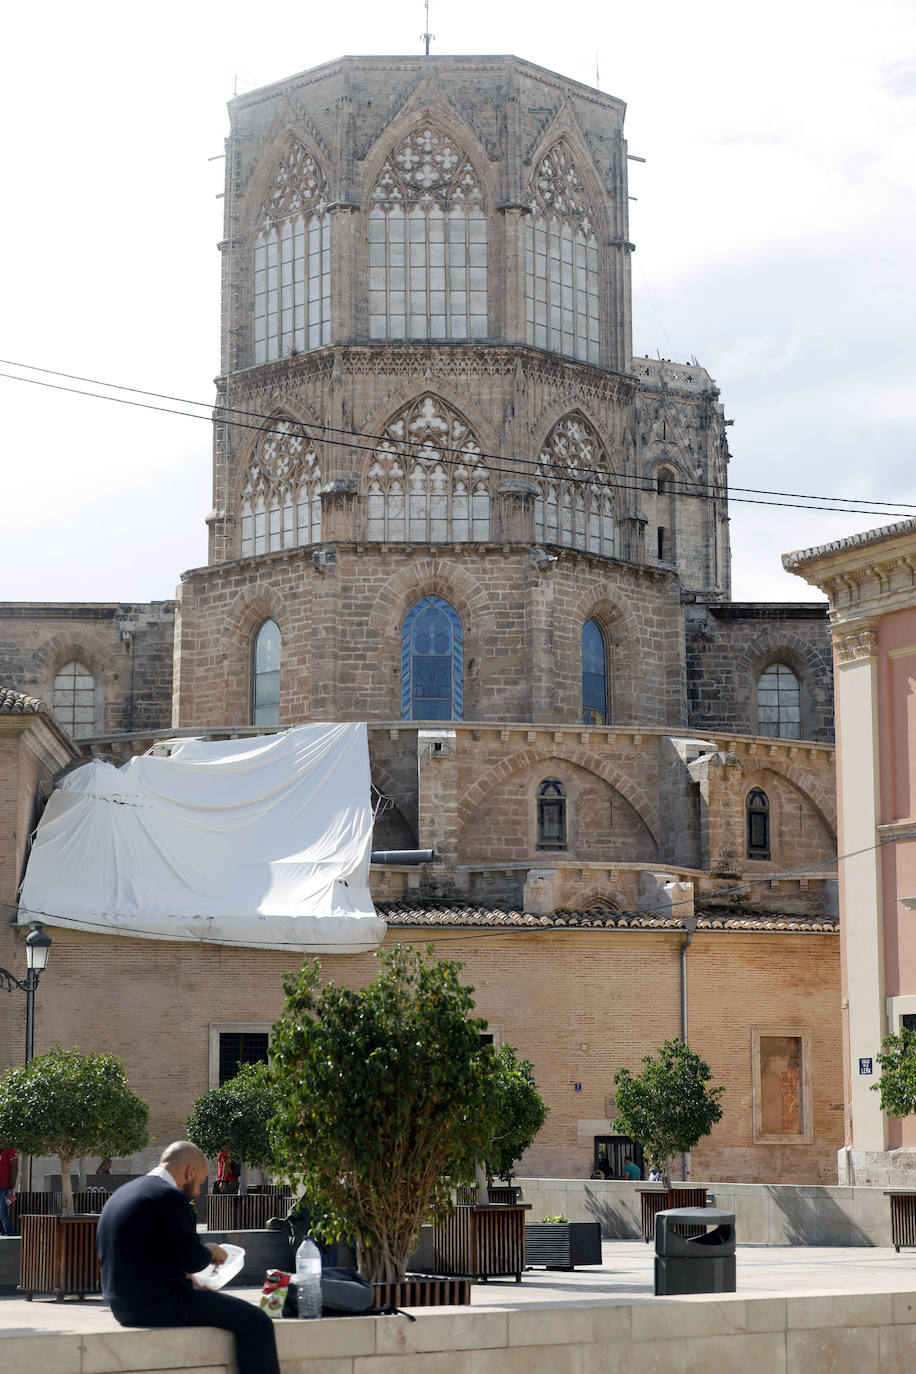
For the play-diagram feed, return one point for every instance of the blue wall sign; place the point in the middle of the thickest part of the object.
(865, 1067)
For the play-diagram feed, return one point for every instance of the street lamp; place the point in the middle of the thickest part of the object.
(37, 948)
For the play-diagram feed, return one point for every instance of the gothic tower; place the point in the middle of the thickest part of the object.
(443, 486)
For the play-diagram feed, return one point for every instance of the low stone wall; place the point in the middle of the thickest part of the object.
(847, 1334)
(765, 1213)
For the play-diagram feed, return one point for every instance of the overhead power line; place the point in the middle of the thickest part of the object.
(345, 438)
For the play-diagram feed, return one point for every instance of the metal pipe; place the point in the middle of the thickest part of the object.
(403, 856)
(690, 925)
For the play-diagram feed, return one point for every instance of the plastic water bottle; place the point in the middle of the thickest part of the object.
(308, 1279)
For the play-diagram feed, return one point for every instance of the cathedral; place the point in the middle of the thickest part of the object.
(450, 502)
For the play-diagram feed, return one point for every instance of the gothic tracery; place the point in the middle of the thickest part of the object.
(427, 242)
(574, 505)
(280, 505)
(562, 259)
(292, 279)
(426, 481)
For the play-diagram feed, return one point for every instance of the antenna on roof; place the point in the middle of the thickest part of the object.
(427, 36)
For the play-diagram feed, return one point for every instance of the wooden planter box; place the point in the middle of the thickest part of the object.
(419, 1290)
(903, 1219)
(654, 1200)
(563, 1244)
(244, 1211)
(58, 1255)
(482, 1242)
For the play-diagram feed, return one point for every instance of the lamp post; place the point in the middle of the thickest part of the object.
(37, 948)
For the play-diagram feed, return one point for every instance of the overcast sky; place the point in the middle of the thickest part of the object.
(773, 219)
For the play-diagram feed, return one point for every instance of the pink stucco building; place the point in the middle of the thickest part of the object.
(870, 580)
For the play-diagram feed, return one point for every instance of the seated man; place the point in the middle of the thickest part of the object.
(148, 1248)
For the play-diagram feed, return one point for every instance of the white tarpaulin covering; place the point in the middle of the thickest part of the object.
(261, 842)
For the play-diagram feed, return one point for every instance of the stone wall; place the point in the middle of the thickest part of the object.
(127, 647)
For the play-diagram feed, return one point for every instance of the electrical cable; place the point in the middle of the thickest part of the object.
(508, 467)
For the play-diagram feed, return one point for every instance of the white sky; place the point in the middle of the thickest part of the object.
(774, 226)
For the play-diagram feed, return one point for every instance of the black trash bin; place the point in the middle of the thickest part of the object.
(701, 1262)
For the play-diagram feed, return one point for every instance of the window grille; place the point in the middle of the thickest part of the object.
(551, 815)
(431, 662)
(562, 296)
(265, 677)
(281, 502)
(237, 1048)
(427, 483)
(73, 699)
(757, 808)
(292, 260)
(574, 505)
(779, 703)
(427, 243)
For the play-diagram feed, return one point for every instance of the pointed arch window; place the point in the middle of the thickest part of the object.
(427, 242)
(779, 702)
(595, 698)
(551, 815)
(73, 699)
(575, 505)
(265, 675)
(561, 267)
(281, 503)
(292, 260)
(432, 662)
(427, 483)
(757, 812)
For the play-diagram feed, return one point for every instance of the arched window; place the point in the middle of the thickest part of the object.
(551, 815)
(431, 662)
(292, 260)
(281, 505)
(779, 702)
(426, 482)
(665, 513)
(265, 675)
(562, 259)
(427, 243)
(757, 810)
(574, 506)
(595, 704)
(73, 699)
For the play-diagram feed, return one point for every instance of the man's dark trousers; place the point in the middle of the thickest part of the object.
(254, 1334)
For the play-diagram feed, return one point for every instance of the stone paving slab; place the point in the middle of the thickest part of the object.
(625, 1276)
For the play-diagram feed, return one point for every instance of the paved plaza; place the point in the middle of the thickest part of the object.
(625, 1276)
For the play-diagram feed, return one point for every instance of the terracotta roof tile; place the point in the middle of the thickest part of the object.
(433, 914)
(18, 704)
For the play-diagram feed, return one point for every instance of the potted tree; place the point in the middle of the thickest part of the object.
(385, 1102)
(69, 1104)
(897, 1090)
(669, 1108)
(236, 1117)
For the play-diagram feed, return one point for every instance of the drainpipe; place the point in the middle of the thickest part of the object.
(690, 925)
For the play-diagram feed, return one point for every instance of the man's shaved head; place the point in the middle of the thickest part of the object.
(177, 1156)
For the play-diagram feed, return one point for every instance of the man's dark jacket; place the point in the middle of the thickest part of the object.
(147, 1241)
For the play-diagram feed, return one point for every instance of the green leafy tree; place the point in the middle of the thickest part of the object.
(385, 1100)
(70, 1104)
(668, 1107)
(897, 1084)
(520, 1112)
(236, 1118)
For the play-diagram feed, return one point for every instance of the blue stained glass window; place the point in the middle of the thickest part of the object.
(431, 662)
(594, 676)
(265, 677)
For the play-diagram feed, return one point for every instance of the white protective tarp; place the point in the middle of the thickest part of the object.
(261, 842)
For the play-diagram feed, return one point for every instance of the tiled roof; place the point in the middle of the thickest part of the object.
(794, 560)
(425, 915)
(18, 704)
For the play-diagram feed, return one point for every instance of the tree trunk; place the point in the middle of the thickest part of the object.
(81, 1173)
(480, 1178)
(243, 1177)
(66, 1186)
